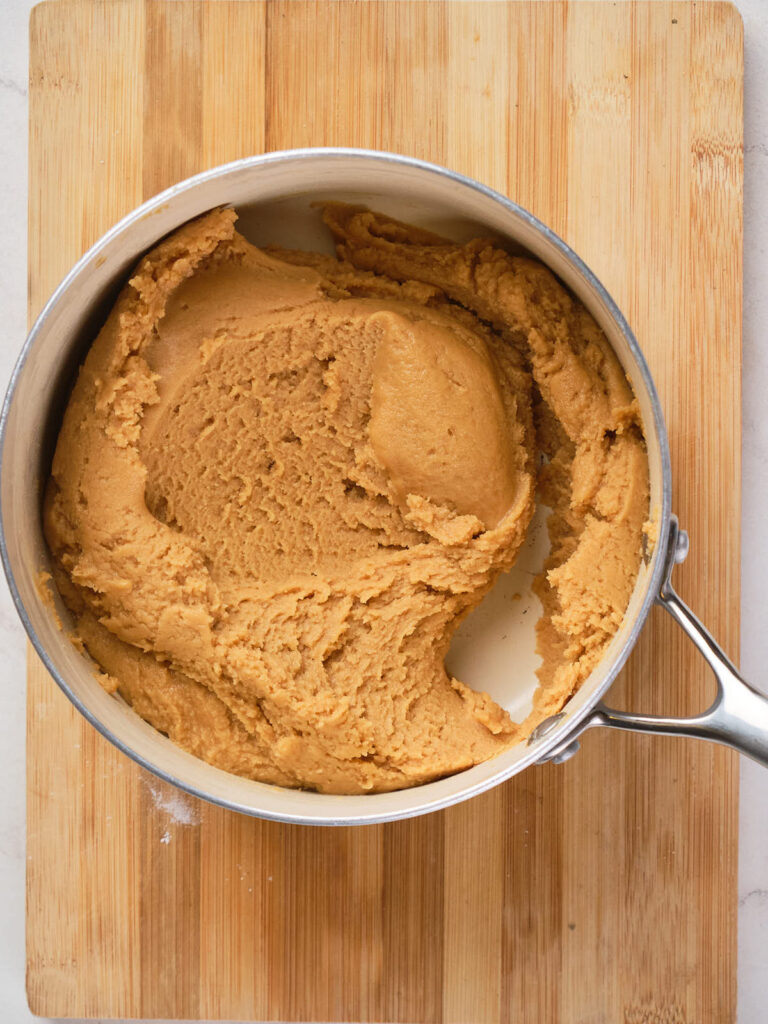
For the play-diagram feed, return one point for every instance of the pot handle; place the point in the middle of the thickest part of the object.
(738, 715)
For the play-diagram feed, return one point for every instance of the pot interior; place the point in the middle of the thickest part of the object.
(494, 649)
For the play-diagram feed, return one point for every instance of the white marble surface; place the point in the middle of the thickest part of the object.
(753, 831)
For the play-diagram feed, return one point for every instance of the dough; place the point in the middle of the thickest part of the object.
(282, 480)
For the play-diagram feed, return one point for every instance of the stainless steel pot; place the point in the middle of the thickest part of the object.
(272, 194)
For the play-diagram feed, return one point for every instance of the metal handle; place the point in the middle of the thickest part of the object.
(738, 716)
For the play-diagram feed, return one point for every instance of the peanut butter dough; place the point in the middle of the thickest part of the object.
(282, 480)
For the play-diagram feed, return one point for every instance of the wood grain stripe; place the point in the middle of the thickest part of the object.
(716, 167)
(233, 73)
(473, 901)
(169, 902)
(412, 927)
(173, 100)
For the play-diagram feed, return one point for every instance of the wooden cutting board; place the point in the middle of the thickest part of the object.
(603, 890)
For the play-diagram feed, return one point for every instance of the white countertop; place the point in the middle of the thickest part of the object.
(753, 824)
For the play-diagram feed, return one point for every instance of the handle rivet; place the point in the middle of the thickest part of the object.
(681, 547)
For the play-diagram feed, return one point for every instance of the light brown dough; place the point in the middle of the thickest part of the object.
(283, 479)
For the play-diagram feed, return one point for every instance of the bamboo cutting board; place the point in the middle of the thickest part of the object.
(599, 892)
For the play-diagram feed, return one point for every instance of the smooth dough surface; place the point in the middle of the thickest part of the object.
(282, 480)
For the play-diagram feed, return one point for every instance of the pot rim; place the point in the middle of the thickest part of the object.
(557, 736)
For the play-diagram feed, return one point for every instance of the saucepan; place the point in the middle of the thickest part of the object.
(495, 649)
